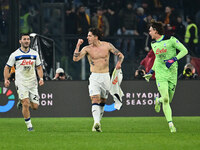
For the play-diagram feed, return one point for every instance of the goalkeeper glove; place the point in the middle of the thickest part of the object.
(169, 62)
(148, 75)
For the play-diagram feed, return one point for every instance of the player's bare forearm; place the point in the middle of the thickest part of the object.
(76, 56)
(121, 57)
(40, 71)
(40, 74)
(6, 72)
(6, 76)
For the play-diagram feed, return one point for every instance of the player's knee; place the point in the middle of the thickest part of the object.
(25, 103)
(166, 100)
(95, 99)
(103, 100)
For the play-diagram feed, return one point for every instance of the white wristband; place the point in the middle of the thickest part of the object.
(41, 79)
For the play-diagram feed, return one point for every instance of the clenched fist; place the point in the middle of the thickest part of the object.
(80, 41)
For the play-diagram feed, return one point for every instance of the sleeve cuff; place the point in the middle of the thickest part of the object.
(38, 65)
(8, 65)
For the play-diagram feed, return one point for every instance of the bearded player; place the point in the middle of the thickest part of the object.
(25, 61)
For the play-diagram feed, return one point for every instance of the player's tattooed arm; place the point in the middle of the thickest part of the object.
(113, 49)
(76, 54)
(116, 52)
(79, 55)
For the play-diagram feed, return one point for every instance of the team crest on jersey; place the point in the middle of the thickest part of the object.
(32, 57)
(158, 84)
(165, 45)
(177, 41)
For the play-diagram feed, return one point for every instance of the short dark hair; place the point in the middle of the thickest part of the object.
(96, 32)
(158, 26)
(23, 34)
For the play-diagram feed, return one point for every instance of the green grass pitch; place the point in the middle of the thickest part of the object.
(119, 133)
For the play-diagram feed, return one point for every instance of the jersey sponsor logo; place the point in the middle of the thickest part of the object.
(115, 81)
(27, 62)
(160, 51)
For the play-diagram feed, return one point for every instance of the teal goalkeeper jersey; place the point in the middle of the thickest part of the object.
(164, 49)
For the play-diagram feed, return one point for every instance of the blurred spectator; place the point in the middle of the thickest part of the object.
(141, 24)
(179, 29)
(140, 72)
(34, 12)
(4, 12)
(128, 26)
(112, 20)
(148, 6)
(191, 36)
(61, 75)
(188, 72)
(147, 44)
(25, 19)
(83, 21)
(70, 21)
(100, 21)
(196, 63)
(169, 20)
(114, 5)
(197, 20)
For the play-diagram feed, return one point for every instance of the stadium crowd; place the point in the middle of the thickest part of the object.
(126, 20)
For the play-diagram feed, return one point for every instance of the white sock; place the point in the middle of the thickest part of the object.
(96, 113)
(28, 123)
(170, 124)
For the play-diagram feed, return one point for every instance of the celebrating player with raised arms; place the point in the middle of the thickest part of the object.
(165, 68)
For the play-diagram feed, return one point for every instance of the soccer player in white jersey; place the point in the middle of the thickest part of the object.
(26, 61)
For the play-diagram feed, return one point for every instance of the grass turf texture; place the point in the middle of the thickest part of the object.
(119, 133)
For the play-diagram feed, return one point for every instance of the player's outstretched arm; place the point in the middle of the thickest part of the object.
(117, 53)
(6, 76)
(79, 55)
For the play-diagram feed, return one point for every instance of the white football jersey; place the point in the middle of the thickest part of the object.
(25, 64)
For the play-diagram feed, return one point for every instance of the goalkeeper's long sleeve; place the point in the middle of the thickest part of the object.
(183, 50)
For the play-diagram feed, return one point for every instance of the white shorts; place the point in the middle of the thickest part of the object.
(99, 84)
(28, 92)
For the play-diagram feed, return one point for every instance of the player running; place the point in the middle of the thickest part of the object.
(165, 68)
(25, 61)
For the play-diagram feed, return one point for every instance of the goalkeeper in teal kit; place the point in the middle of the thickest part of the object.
(165, 67)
